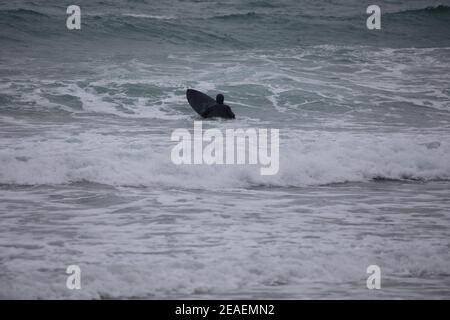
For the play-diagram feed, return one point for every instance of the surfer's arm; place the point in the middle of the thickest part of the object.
(230, 113)
(206, 112)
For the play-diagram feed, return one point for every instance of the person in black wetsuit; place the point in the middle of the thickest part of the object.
(219, 110)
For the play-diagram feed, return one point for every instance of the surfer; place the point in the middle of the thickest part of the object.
(219, 109)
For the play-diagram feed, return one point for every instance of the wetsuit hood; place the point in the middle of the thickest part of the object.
(220, 98)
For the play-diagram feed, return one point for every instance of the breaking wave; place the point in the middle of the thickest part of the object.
(316, 159)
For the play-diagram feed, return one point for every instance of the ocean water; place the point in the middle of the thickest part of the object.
(86, 176)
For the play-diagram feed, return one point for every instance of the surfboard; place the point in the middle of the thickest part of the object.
(199, 101)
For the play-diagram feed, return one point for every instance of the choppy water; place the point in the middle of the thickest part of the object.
(86, 176)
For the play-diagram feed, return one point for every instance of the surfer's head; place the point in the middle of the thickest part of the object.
(219, 98)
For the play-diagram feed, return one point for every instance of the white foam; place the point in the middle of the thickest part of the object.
(150, 16)
(306, 158)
